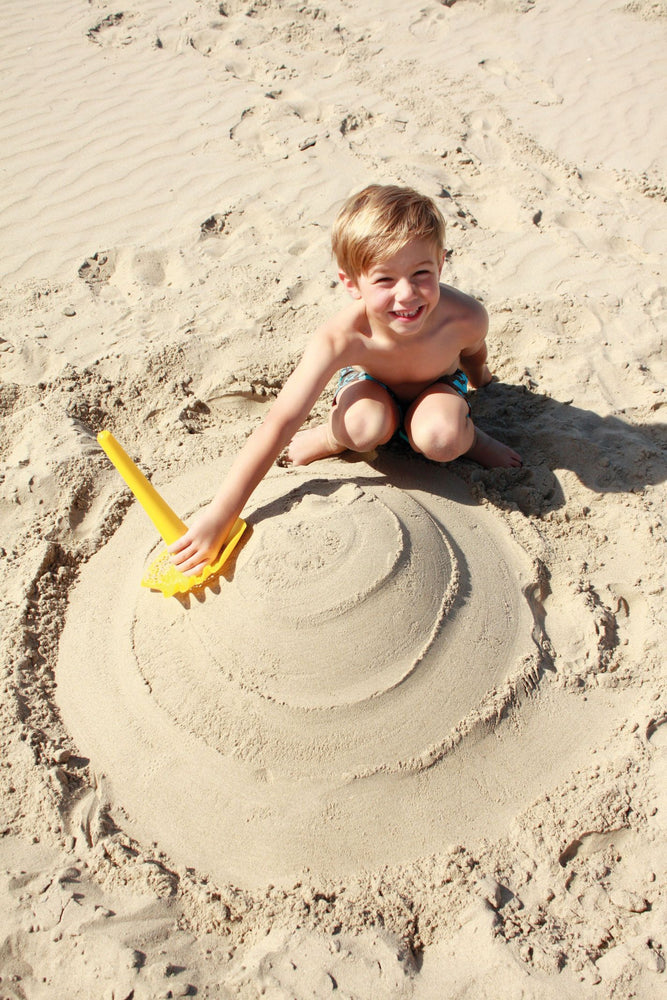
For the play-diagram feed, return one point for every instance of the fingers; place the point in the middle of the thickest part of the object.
(191, 562)
(181, 543)
(189, 556)
(194, 570)
(192, 565)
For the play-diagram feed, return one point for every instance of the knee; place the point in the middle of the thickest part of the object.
(439, 443)
(365, 426)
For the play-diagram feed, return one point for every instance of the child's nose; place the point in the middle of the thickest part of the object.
(404, 290)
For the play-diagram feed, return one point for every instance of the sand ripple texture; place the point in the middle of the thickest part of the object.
(363, 633)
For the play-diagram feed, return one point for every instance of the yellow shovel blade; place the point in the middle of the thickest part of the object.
(163, 575)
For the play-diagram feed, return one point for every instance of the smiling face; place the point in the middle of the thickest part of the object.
(401, 291)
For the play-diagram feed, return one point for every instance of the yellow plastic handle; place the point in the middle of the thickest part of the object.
(163, 517)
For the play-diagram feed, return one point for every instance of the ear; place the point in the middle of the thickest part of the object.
(442, 258)
(350, 284)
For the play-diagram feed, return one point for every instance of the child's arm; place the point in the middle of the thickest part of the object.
(210, 528)
(473, 356)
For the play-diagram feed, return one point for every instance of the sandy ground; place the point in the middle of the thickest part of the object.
(412, 743)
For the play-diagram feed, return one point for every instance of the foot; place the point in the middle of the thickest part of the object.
(492, 454)
(312, 444)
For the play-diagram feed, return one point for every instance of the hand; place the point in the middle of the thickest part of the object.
(202, 542)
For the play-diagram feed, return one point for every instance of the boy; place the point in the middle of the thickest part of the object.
(398, 347)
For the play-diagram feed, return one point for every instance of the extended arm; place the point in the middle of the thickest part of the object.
(210, 528)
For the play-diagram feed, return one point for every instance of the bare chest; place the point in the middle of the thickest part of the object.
(409, 370)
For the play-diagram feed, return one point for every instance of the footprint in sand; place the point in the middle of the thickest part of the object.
(525, 84)
(213, 226)
(112, 30)
(278, 128)
(143, 269)
(428, 24)
(656, 732)
(98, 269)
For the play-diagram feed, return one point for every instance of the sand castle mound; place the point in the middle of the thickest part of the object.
(359, 633)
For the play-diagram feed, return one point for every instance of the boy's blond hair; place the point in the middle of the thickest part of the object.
(378, 222)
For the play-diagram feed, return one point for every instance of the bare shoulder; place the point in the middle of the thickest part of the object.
(342, 333)
(460, 304)
(468, 313)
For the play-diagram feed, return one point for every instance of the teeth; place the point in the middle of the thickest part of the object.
(407, 315)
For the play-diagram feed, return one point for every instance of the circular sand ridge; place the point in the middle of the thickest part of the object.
(358, 628)
(336, 603)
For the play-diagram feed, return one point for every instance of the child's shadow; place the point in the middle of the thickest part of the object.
(607, 454)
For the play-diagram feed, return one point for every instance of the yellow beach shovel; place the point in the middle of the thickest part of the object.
(162, 574)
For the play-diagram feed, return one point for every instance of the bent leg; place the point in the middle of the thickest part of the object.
(363, 417)
(438, 426)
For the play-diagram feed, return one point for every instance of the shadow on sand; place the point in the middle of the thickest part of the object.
(607, 454)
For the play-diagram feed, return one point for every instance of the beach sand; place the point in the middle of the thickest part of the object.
(412, 743)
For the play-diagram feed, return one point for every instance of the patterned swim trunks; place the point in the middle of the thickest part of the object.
(456, 380)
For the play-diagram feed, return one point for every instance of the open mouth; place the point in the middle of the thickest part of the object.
(408, 314)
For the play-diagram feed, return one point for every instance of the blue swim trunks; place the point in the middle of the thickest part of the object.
(458, 380)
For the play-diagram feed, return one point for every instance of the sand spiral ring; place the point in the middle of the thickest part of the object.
(352, 639)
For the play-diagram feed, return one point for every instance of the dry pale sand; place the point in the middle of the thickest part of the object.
(412, 743)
